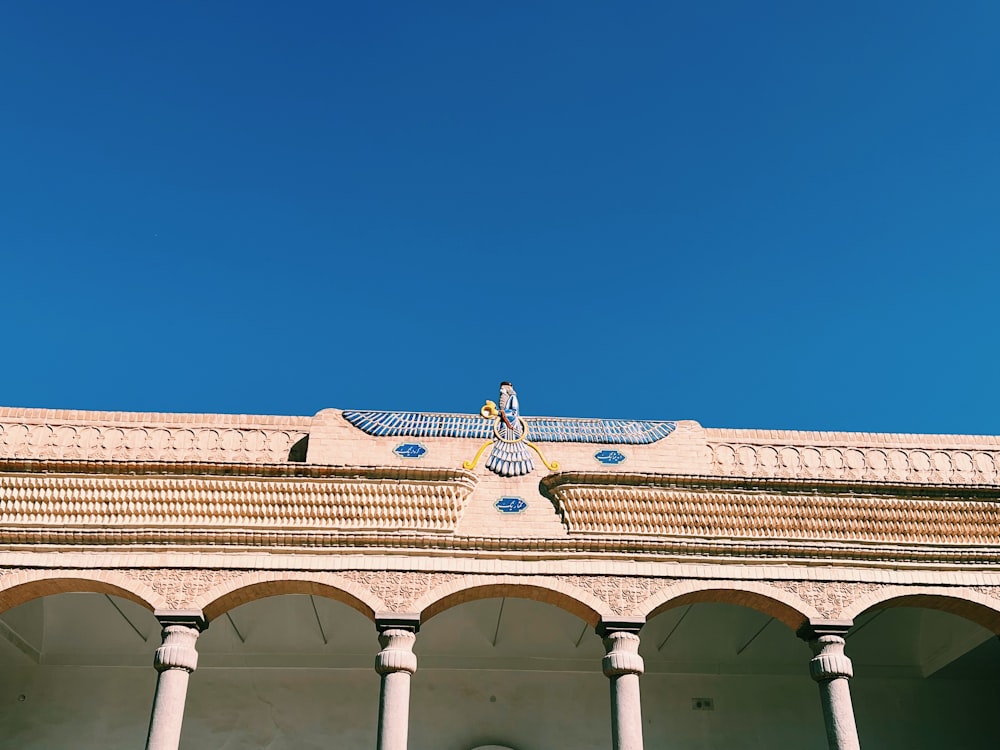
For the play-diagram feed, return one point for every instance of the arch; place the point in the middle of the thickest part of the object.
(769, 600)
(22, 586)
(565, 596)
(962, 602)
(263, 584)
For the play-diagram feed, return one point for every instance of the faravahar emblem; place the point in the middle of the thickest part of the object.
(511, 439)
(510, 456)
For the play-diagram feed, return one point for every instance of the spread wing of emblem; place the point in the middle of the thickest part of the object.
(540, 429)
(419, 424)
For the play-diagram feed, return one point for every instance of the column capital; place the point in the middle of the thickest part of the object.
(396, 636)
(813, 629)
(187, 618)
(620, 625)
(622, 657)
(826, 639)
(181, 629)
(408, 622)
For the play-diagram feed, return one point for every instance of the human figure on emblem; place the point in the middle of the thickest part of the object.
(510, 456)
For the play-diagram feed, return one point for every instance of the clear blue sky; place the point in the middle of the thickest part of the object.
(770, 215)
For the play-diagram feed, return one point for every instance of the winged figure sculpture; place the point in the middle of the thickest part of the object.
(510, 437)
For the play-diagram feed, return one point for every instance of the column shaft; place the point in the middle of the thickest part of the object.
(623, 665)
(831, 668)
(396, 662)
(168, 710)
(626, 713)
(175, 660)
(394, 711)
(838, 713)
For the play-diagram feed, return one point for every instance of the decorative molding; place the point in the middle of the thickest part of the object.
(665, 506)
(429, 501)
(450, 547)
(129, 442)
(190, 506)
(885, 463)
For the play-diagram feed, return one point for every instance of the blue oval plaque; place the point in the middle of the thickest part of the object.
(609, 457)
(409, 450)
(510, 505)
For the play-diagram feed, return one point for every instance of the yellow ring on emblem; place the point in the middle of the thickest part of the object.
(524, 431)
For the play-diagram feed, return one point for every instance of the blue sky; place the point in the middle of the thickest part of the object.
(752, 215)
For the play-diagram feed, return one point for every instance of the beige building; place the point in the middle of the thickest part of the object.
(440, 582)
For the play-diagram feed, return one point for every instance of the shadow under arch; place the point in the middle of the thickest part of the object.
(775, 603)
(575, 601)
(967, 604)
(24, 586)
(256, 586)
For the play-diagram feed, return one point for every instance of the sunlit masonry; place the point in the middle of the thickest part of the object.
(492, 580)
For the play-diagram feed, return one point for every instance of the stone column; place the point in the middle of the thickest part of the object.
(623, 665)
(395, 662)
(831, 668)
(175, 660)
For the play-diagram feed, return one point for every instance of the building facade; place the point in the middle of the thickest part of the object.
(505, 574)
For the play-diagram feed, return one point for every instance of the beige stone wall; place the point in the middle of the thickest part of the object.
(206, 511)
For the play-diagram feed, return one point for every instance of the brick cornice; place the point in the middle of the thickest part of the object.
(447, 545)
(802, 485)
(120, 470)
(33, 415)
(775, 509)
(85, 503)
(397, 510)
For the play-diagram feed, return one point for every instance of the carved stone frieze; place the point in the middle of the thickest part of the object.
(830, 598)
(623, 595)
(993, 592)
(398, 590)
(180, 588)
